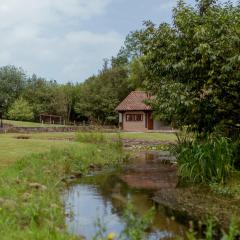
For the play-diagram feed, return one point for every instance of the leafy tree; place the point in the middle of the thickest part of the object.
(121, 59)
(193, 66)
(49, 96)
(21, 110)
(12, 81)
(204, 5)
(69, 99)
(137, 74)
(37, 92)
(99, 95)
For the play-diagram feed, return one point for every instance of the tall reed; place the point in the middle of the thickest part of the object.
(209, 160)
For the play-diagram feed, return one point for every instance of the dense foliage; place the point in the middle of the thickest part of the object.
(205, 161)
(94, 100)
(21, 111)
(12, 81)
(192, 66)
(100, 95)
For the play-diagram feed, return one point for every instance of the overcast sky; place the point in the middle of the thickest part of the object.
(66, 40)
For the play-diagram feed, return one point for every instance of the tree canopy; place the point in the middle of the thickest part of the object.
(192, 66)
(21, 110)
(99, 95)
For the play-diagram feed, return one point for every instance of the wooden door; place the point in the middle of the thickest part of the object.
(150, 121)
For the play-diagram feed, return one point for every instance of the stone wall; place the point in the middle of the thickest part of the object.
(11, 129)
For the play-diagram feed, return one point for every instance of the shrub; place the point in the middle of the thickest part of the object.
(206, 161)
(21, 111)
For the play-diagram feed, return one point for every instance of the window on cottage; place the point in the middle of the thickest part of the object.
(134, 117)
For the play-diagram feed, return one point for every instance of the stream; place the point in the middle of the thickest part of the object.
(104, 196)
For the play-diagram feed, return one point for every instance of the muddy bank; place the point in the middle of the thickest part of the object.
(199, 203)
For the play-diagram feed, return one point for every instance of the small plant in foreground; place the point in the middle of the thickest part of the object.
(211, 232)
(135, 226)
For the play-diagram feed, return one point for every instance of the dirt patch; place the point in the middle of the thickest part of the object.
(23, 137)
(199, 203)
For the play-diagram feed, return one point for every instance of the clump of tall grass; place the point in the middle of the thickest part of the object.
(212, 231)
(91, 137)
(209, 160)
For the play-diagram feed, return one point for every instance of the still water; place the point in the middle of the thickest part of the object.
(104, 197)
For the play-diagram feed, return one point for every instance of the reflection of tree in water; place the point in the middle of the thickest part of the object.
(113, 190)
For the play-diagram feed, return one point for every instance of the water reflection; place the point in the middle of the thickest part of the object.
(104, 197)
(87, 206)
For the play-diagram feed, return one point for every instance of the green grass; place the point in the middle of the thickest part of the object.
(149, 136)
(136, 136)
(44, 159)
(43, 135)
(30, 189)
(12, 149)
(144, 136)
(91, 137)
(29, 124)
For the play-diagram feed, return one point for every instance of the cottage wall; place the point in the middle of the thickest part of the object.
(160, 125)
(138, 126)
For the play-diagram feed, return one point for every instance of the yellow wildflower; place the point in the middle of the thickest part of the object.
(111, 236)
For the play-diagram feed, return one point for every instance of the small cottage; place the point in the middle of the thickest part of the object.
(135, 115)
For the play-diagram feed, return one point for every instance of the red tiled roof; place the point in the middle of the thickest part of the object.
(134, 102)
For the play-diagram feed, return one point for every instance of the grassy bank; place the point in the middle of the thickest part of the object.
(29, 124)
(12, 147)
(148, 136)
(30, 189)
